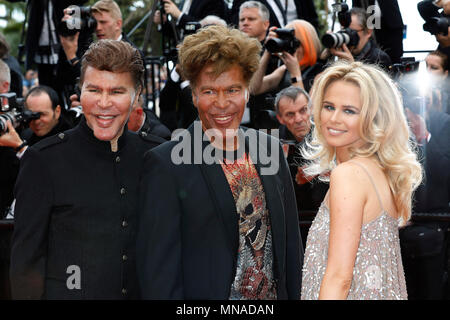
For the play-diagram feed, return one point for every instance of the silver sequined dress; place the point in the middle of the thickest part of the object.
(378, 272)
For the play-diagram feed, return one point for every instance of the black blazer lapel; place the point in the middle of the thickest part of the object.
(274, 191)
(221, 195)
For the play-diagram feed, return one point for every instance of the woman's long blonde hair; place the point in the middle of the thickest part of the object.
(383, 128)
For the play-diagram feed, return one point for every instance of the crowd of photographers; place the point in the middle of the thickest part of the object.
(293, 56)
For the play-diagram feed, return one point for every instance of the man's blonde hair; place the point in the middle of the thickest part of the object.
(220, 47)
(108, 6)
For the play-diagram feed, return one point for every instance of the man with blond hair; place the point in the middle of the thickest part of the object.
(226, 228)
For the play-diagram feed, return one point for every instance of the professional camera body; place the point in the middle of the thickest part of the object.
(435, 22)
(191, 28)
(81, 21)
(337, 39)
(406, 66)
(15, 112)
(286, 41)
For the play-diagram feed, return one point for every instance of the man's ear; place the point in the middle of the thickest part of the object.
(280, 120)
(57, 111)
(119, 23)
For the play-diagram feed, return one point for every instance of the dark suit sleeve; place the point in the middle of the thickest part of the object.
(294, 246)
(159, 236)
(208, 7)
(307, 11)
(34, 195)
(233, 16)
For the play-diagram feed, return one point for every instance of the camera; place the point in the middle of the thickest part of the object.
(286, 41)
(81, 21)
(344, 16)
(15, 112)
(437, 25)
(435, 22)
(407, 65)
(191, 28)
(334, 40)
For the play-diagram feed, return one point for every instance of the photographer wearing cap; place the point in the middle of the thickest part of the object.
(365, 49)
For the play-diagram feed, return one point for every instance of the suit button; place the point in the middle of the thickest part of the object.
(124, 223)
(123, 191)
(124, 257)
(117, 159)
(124, 291)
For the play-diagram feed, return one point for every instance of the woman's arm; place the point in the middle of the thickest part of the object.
(346, 203)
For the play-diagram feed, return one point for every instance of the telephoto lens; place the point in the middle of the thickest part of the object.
(334, 40)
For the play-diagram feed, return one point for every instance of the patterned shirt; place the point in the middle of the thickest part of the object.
(254, 273)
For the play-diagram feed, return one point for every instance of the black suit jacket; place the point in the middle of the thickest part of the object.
(188, 238)
(433, 195)
(305, 10)
(202, 8)
(36, 10)
(153, 126)
(76, 203)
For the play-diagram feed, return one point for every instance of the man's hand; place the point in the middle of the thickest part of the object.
(444, 4)
(172, 9)
(74, 102)
(342, 53)
(444, 41)
(70, 43)
(10, 138)
(157, 17)
(418, 126)
(291, 63)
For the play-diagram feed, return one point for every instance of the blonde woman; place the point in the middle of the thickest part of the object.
(361, 136)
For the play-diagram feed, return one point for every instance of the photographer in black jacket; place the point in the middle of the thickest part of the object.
(366, 50)
(437, 22)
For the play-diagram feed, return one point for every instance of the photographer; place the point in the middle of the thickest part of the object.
(108, 25)
(437, 66)
(44, 100)
(9, 163)
(436, 22)
(299, 68)
(365, 50)
(425, 241)
(192, 11)
(42, 44)
(389, 36)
